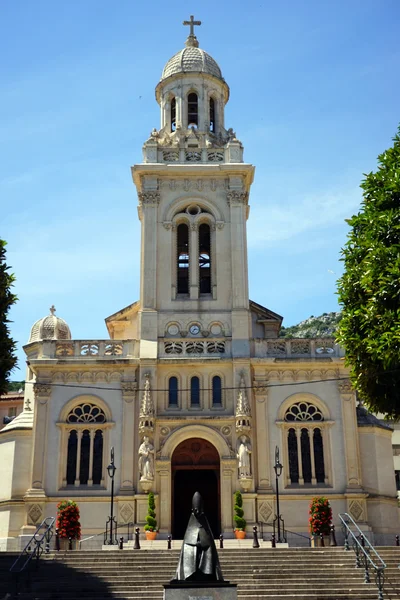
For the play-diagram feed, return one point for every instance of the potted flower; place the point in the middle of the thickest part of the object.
(151, 524)
(320, 519)
(240, 522)
(68, 524)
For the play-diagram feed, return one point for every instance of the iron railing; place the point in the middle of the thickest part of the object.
(129, 527)
(285, 531)
(39, 543)
(366, 555)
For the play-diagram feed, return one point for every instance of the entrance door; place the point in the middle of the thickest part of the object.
(195, 468)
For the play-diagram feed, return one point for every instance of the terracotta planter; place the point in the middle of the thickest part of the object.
(151, 535)
(64, 544)
(316, 541)
(240, 535)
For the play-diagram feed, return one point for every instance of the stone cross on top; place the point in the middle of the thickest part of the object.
(52, 309)
(192, 40)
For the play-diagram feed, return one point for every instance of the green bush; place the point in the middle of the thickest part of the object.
(150, 519)
(239, 512)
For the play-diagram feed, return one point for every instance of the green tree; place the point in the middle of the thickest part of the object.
(151, 523)
(369, 289)
(8, 359)
(240, 522)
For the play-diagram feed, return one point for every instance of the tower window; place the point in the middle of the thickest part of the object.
(173, 391)
(183, 259)
(205, 258)
(216, 391)
(212, 115)
(193, 110)
(195, 391)
(173, 114)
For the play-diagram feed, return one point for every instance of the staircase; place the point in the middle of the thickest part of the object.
(261, 574)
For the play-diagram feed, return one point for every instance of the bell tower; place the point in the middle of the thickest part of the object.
(193, 189)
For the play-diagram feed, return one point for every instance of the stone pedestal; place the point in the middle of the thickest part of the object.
(200, 591)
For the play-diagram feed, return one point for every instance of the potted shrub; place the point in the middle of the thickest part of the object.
(151, 524)
(68, 524)
(320, 519)
(240, 522)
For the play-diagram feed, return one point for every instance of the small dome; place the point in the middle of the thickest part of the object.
(50, 328)
(191, 60)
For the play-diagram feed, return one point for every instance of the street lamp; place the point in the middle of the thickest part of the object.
(111, 472)
(278, 472)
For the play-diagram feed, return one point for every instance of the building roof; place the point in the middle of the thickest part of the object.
(50, 327)
(367, 419)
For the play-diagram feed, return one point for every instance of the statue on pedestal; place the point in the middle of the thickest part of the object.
(198, 561)
(146, 460)
(243, 456)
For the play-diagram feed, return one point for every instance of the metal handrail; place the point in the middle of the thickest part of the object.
(103, 533)
(363, 550)
(34, 548)
(262, 523)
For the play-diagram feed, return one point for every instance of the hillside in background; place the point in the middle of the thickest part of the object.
(313, 327)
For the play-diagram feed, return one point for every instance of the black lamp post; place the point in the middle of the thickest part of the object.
(278, 472)
(111, 472)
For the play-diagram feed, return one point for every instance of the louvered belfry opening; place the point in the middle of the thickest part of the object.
(183, 259)
(205, 258)
(193, 110)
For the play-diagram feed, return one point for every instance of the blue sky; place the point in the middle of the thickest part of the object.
(314, 98)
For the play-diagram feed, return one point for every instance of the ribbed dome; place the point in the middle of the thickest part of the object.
(191, 60)
(50, 328)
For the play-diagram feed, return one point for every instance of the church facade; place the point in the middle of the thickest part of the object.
(194, 389)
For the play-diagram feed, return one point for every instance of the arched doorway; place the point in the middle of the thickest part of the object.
(195, 468)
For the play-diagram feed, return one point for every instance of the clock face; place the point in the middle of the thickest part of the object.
(194, 329)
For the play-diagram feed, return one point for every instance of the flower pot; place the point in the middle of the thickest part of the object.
(240, 535)
(151, 535)
(64, 544)
(316, 541)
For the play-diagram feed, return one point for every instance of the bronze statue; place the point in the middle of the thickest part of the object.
(198, 560)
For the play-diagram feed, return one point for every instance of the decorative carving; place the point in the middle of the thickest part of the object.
(113, 349)
(345, 387)
(242, 403)
(86, 413)
(42, 390)
(165, 431)
(215, 156)
(356, 510)
(64, 349)
(277, 347)
(170, 156)
(300, 347)
(194, 348)
(226, 430)
(89, 349)
(146, 415)
(173, 347)
(215, 347)
(150, 197)
(236, 196)
(187, 184)
(243, 455)
(220, 224)
(260, 388)
(126, 513)
(265, 511)
(86, 376)
(129, 390)
(35, 514)
(303, 411)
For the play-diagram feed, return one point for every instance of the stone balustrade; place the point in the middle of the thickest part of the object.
(89, 349)
(175, 348)
(296, 348)
(229, 154)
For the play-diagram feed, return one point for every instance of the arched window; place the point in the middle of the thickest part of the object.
(193, 110)
(173, 114)
(212, 115)
(173, 391)
(85, 445)
(205, 258)
(195, 391)
(305, 444)
(216, 391)
(183, 259)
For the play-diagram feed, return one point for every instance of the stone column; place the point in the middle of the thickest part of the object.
(194, 262)
(129, 437)
(42, 393)
(299, 456)
(149, 199)
(262, 433)
(164, 472)
(350, 432)
(228, 474)
(238, 203)
(92, 433)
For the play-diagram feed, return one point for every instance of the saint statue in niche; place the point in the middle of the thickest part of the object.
(243, 456)
(146, 460)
